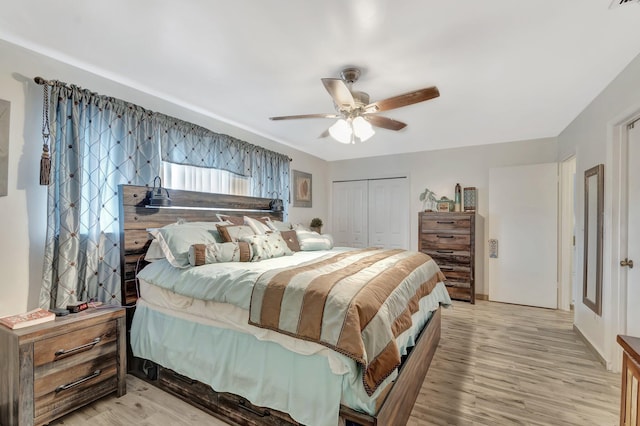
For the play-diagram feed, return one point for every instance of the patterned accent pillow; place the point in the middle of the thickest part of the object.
(257, 225)
(267, 246)
(233, 233)
(291, 239)
(201, 254)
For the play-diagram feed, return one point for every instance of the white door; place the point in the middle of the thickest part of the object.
(349, 214)
(523, 219)
(633, 240)
(389, 209)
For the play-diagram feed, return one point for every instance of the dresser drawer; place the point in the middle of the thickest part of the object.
(449, 257)
(455, 223)
(446, 241)
(456, 272)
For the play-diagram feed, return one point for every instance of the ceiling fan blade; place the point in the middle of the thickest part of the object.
(384, 122)
(403, 100)
(295, 117)
(339, 92)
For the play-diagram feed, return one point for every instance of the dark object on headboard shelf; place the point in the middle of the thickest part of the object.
(155, 197)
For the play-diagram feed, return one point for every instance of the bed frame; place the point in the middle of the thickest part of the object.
(136, 217)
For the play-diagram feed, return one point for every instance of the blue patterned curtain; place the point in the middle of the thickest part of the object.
(98, 143)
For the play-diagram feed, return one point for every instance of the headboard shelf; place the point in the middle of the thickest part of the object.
(136, 217)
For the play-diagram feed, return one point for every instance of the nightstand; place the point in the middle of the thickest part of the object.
(53, 368)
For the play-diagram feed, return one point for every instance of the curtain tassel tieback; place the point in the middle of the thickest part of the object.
(45, 165)
(45, 160)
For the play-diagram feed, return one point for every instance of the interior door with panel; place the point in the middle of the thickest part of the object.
(389, 210)
(633, 227)
(523, 223)
(349, 214)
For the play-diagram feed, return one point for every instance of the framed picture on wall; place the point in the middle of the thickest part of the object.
(302, 184)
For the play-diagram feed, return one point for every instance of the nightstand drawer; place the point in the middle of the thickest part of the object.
(456, 272)
(59, 391)
(72, 344)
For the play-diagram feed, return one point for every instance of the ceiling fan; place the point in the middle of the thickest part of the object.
(355, 114)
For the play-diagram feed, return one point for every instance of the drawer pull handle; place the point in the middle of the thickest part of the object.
(78, 382)
(444, 251)
(262, 413)
(446, 268)
(445, 222)
(61, 352)
(445, 236)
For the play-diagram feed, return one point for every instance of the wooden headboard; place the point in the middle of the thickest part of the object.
(136, 217)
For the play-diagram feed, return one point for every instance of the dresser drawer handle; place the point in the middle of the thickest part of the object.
(445, 236)
(446, 268)
(444, 251)
(78, 382)
(61, 352)
(242, 404)
(445, 222)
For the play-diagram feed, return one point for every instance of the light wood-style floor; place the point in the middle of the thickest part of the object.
(497, 364)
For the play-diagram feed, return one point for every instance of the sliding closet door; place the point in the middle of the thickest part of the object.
(349, 215)
(389, 209)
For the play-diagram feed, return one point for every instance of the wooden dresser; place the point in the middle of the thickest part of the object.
(449, 238)
(51, 369)
(630, 395)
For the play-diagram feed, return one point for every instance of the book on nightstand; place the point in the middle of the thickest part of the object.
(26, 319)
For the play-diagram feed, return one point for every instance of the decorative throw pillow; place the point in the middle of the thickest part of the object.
(310, 241)
(233, 233)
(175, 239)
(236, 220)
(201, 254)
(291, 239)
(256, 225)
(267, 246)
(277, 225)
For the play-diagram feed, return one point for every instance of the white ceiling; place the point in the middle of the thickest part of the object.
(507, 70)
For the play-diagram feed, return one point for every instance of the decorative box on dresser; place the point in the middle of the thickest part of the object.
(449, 238)
(53, 368)
(630, 389)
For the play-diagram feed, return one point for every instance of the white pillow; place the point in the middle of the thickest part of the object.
(311, 241)
(277, 225)
(154, 252)
(258, 227)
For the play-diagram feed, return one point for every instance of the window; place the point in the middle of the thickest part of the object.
(203, 179)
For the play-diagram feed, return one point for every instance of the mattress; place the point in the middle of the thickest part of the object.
(202, 331)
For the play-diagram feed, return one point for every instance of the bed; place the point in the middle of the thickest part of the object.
(211, 336)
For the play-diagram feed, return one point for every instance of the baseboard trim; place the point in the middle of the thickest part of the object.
(482, 297)
(590, 346)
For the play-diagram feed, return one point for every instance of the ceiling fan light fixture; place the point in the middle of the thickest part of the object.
(341, 131)
(362, 129)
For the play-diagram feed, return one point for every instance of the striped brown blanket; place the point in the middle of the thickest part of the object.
(355, 303)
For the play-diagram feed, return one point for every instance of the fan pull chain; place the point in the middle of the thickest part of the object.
(45, 160)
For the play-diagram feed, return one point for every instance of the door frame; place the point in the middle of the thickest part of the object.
(615, 244)
(566, 233)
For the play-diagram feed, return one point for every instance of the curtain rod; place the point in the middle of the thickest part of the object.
(41, 81)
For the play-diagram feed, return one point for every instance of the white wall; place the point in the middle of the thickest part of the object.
(441, 170)
(23, 210)
(591, 138)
